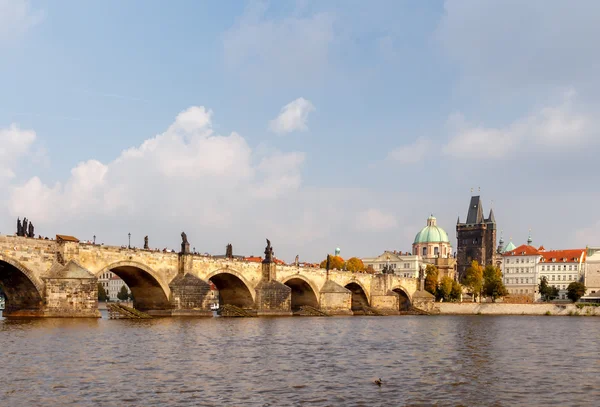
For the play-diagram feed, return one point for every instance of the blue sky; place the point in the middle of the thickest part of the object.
(316, 124)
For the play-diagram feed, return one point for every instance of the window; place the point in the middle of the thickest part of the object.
(406, 265)
(435, 251)
(543, 268)
(553, 277)
(564, 277)
(424, 251)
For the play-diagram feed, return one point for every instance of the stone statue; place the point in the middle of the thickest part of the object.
(19, 227)
(25, 225)
(146, 247)
(421, 273)
(185, 245)
(229, 251)
(30, 232)
(328, 263)
(268, 253)
(297, 260)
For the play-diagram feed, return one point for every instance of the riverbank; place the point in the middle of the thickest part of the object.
(472, 308)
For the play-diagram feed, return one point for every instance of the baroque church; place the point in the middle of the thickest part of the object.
(476, 238)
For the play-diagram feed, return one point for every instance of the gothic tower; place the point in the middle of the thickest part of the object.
(476, 238)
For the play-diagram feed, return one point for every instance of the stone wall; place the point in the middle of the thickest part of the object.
(472, 308)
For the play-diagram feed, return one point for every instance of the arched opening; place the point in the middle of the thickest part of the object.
(403, 299)
(232, 291)
(21, 296)
(148, 294)
(302, 294)
(359, 299)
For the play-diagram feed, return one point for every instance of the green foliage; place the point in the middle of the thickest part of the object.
(123, 293)
(548, 313)
(474, 279)
(456, 291)
(587, 304)
(547, 292)
(431, 279)
(102, 296)
(575, 291)
(444, 289)
(492, 283)
(335, 262)
(354, 264)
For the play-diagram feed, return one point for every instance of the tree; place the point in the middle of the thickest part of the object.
(547, 292)
(102, 293)
(456, 291)
(575, 291)
(123, 293)
(431, 279)
(335, 262)
(474, 279)
(492, 282)
(444, 289)
(355, 264)
(370, 269)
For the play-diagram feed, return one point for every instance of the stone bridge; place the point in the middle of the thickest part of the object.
(59, 278)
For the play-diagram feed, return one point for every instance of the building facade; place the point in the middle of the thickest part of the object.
(402, 264)
(592, 275)
(112, 284)
(433, 246)
(561, 268)
(519, 270)
(476, 238)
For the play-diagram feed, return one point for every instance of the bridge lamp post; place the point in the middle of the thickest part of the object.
(129, 234)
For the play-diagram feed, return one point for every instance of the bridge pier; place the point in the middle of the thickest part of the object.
(335, 299)
(191, 296)
(272, 297)
(70, 291)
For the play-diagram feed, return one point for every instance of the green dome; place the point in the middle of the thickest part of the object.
(510, 247)
(432, 233)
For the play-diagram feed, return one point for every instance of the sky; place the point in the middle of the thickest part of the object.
(316, 124)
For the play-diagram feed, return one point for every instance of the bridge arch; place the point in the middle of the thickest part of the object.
(404, 298)
(148, 289)
(304, 291)
(23, 290)
(233, 288)
(360, 298)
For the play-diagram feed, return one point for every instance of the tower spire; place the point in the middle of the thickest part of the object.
(529, 239)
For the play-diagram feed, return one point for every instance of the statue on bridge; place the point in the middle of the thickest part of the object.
(24, 229)
(297, 260)
(31, 231)
(185, 245)
(19, 227)
(146, 247)
(268, 253)
(328, 263)
(229, 251)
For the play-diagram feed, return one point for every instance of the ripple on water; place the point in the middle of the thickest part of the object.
(301, 361)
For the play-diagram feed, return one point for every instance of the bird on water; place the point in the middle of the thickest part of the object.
(378, 382)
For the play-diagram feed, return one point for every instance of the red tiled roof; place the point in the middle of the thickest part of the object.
(277, 261)
(563, 256)
(253, 259)
(523, 250)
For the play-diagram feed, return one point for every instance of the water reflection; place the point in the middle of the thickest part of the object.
(470, 360)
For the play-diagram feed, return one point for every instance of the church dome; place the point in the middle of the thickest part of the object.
(431, 233)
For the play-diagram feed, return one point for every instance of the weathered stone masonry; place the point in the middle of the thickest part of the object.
(59, 278)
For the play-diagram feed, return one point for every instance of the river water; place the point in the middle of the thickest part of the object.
(302, 361)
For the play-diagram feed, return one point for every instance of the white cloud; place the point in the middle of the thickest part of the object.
(14, 144)
(293, 117)
(413, 153)
(553, 127)
(375, 220)
(16, 17)
(285, 48)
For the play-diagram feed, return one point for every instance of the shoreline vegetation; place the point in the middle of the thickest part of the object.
(473, 308)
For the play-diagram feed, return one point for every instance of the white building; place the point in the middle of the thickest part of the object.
(112, 284)
(561, 268)
(592, 275)
(402, 264)
(519, 270)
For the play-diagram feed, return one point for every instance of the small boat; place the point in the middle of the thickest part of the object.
(214, 307)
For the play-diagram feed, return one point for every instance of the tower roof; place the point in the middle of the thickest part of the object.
(475, 214)
(491, 218)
